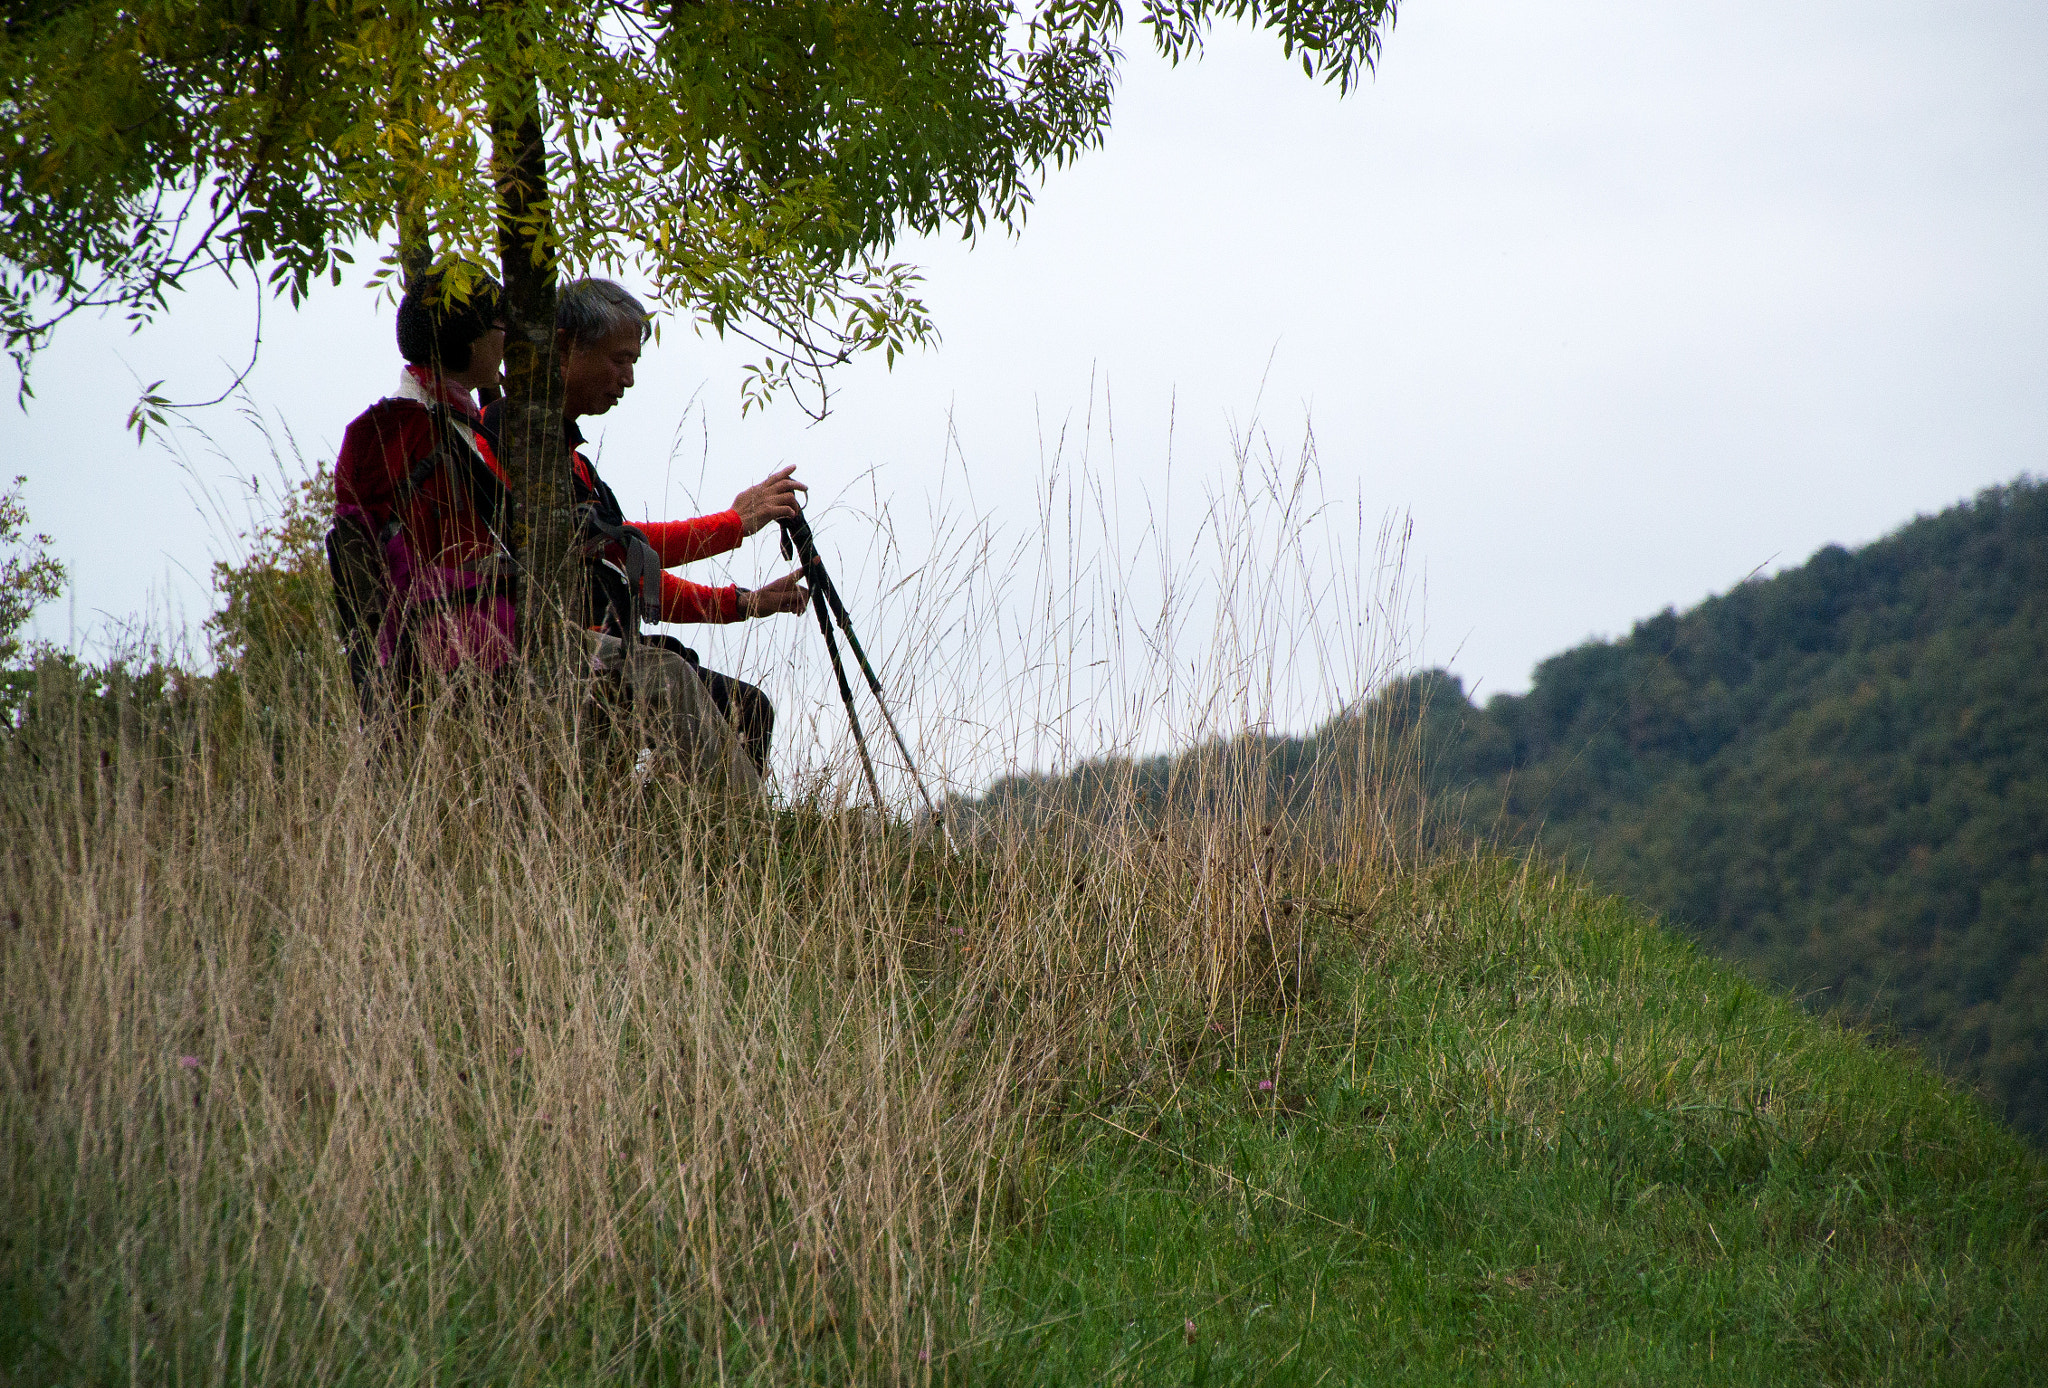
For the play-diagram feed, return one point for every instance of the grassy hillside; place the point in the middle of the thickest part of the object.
(1525, 1137)
(488, 1064)
(1837, 777)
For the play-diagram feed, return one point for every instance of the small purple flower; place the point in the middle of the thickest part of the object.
(518, 1051)
(1265, 1085)
(1189, 1331)
(188, 1062)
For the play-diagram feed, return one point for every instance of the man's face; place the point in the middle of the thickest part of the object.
(596, 375)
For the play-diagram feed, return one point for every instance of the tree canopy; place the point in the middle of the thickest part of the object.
(752, 157)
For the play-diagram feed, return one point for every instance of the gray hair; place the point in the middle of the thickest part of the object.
(591, 310)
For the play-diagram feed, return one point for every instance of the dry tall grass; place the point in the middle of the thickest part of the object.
(485, 1061)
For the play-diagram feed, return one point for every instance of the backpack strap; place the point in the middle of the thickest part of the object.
(630, 591)
(454, 451)
(642, 571)
(355, 562)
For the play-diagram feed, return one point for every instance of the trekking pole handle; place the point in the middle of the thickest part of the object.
(800, 544)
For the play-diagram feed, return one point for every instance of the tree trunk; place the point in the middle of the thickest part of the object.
(415, 253)
(530, 443)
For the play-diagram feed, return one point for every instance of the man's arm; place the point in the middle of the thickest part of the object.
(685, 542)
(684, 601)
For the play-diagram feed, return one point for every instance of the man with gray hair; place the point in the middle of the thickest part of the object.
(600, 330)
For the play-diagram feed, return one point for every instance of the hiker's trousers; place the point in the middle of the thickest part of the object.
(676, 711)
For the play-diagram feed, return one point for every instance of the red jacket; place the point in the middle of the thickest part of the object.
(379, 450)
(449, 575)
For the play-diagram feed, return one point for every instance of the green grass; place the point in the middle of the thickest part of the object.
(1524, 1136)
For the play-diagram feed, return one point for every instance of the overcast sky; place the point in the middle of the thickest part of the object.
(1621, 302)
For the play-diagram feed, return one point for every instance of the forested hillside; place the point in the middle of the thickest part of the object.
(1837, 777)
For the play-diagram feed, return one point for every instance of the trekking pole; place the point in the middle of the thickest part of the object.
(860, 741)
(797, 536)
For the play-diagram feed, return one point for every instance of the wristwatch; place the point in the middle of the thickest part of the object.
(746, 608)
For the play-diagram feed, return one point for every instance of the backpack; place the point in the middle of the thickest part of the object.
(361, 575)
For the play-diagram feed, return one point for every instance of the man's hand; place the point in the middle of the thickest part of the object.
(785, 594)
(772, 500)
